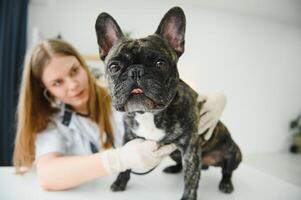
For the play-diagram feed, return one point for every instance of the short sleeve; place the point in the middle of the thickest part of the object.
(49, 140)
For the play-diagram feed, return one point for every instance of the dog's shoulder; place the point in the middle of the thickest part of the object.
(186, 98)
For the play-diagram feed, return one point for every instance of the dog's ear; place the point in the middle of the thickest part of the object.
(172, 28)
(108, 33)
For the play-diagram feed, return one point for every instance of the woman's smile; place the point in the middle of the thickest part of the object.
(79, 95)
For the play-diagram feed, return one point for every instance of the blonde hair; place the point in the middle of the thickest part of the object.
(34, 110)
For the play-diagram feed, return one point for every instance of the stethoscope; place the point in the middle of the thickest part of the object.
(66, 121)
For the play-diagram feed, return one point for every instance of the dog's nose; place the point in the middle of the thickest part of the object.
(136, 73)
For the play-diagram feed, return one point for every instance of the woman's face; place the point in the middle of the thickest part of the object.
(67, 81)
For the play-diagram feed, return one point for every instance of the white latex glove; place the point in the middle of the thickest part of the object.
(138, 154)
(213, 106)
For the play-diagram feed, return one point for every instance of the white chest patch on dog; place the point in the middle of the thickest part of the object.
(147, 127)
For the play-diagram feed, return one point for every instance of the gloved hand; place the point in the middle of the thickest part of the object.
(138, 154)
(211, 111)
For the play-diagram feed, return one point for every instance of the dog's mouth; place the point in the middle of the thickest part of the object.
(137, 91)
(139, 101)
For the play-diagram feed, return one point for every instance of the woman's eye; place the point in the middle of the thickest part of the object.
(75, 70)
(57, 83)
(114, 68)
(160, 63)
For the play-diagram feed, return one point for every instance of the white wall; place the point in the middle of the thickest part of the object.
(254, 60)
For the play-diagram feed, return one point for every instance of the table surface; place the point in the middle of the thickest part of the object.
(249, 183)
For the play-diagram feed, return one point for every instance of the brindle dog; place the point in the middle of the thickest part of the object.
(144, 83)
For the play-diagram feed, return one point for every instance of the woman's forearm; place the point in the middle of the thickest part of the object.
(63, 172)
(57, 172)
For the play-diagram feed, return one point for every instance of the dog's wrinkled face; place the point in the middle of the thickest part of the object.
(142, 73)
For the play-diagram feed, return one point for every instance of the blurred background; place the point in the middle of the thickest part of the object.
(249, 50)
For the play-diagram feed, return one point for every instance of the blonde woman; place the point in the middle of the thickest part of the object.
(66, 126)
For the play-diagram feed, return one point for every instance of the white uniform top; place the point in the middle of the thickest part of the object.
(73, 134)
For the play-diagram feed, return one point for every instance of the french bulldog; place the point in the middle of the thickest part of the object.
(144, 83)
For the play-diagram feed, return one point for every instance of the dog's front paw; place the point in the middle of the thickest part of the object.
(121, 181)
(118, 186)
(188, 198)
(226, 186)
(173, 169)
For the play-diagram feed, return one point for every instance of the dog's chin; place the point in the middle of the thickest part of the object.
(142, 103)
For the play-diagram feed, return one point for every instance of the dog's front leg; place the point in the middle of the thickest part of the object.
(123, 177)
(121, 181)
(192, 166)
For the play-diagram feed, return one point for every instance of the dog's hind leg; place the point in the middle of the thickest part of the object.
(176, 156)
(205, 167)
(228, 166)
(226, 185)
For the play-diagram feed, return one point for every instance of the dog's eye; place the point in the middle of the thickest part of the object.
(160, 63)
(114, 68)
